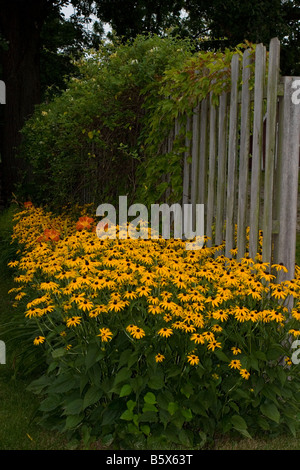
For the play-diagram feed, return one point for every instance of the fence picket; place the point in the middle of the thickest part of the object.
(273, 77)
(257, 148)
(232, 151)
(211, 171)
(218, 175)
(287, 188)
(244, 157)
(222, 160)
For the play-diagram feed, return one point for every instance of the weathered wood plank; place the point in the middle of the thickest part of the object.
(211, 170)
(286, 190)
(232, 151)
(202, 173)
(195, 160)
(186, 175)
(257, 148)
(221, 178)
(244, 157)
(273, 78)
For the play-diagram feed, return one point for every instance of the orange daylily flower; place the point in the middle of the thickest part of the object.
(84, 223)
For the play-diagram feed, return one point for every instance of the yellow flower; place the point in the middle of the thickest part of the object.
(296, 313)
(154, 309)
(117, 304)
(280, 267)
(165, 332)
(193, 359)
(73, 321)
(277, 316)
(213, 344)
(198, 338)
(105, 334)
(38, 340)
(236, 350)
(220, 315)
(137, 333)
(245, 374)
(159, 357)
(235, 364)
(294, 332)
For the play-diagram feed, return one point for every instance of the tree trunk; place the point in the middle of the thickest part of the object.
(20, 25)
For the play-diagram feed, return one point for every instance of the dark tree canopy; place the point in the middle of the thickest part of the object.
(37, 43)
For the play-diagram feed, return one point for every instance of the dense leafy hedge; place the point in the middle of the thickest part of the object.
(148, 344)
(103, 136)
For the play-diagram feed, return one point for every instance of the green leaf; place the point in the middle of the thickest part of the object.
(36, 386)
(172, 407)
(92, 396)
(187, 390)
(238, 422)
(74, 407)
(156, 382)
(125, 390)
(93, 356)
(130, 405)
(72, 421)
(150, 398)
(59, 352)
(270, 411)
(122, 376)
(50, 403)
(146, 429)
(149, 407)
(127, 415)
(240, 425)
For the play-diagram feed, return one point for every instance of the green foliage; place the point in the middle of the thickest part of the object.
(174, 347)
(104, 135)
(85, 143)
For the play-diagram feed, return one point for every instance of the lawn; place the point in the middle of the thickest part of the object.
(19, 430)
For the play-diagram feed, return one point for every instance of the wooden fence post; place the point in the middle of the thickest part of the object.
(286, 191)
(244, 157)
(257, 148)
(232, 151)
(273, 78)
(221, 178)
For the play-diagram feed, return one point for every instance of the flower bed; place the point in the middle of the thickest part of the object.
(146, 342)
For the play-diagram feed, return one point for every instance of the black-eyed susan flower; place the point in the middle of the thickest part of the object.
(235, 350)
(73, 321)
(235, 364)
(245, 374)
(198, 338)
(105, 334)
(296, 313)
(275, 315)
(165, 332)
(193, 359)
(213, 344)
(159, 357)
(154, 309)
(137, 333)
(117, 304)
(39, 340)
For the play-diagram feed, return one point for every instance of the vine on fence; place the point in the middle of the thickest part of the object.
(104, 133)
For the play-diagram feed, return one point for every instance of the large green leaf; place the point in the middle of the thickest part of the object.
(270, 411)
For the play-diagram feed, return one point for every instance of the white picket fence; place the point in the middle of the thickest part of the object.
(242, 161)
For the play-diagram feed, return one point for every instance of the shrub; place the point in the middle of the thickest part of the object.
(148, 344)
(87, 141)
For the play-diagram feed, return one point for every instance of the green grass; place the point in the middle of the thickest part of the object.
(19, 429)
